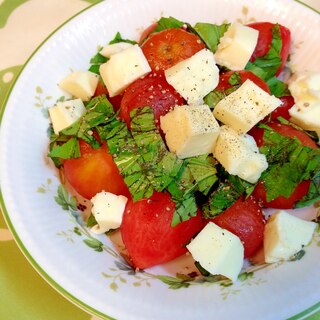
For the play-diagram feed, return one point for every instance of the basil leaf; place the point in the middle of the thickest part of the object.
(162, 165)
(267, 66)
(289, 163)
(235, 79)
(313, 195)
(168, 23)
(118, 38)
(278, 88)
(210, 33)
(128, 158)
(68, 150)
(203, 170)
(229, 191)
(212, 98)
(96, 61)
(99, 110)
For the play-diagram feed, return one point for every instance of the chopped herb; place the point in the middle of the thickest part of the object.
(168, 23)
(210, 33)
(278, 88)
(289, 164)
(229, 191)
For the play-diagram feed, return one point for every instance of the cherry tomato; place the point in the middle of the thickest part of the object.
(302, 189)
(244, 75)
(93, 172)
(115, 101)
(147, 232)
(152, 91)
(265, 38)
(246, 220)
(166, 48)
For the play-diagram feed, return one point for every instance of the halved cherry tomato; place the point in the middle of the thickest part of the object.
(301, 190)
(265, 39)
(115, 101)
(244, 75)
(166, 48)
(245, 219)
(153, 91)
(93, 172)
(147, 232)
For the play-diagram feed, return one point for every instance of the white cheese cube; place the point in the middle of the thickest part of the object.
(306, 93)
(285, 235)
(194, 77)
(65, 113)
(236, 46)
(190, 130)
(239, 155)
(108, 210)
(245, 107)
(110, 49)
(123, 68)
(81, 84)
(218, 251)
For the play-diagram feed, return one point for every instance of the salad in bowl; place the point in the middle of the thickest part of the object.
(181, 163)
(179, 142)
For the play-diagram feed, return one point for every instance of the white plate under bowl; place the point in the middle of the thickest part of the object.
(95, 280)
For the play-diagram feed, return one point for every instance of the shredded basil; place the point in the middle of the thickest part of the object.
(289, 164)
(168, 23)
(210, 33)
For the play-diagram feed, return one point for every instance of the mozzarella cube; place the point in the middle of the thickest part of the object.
(194, 77)
(65, 113)
(245, 107)
(218, 251)
(306, 93)
(239, 155)
(123, 68)
(190, 130)
(108, 210)
(81, 84)
(236, 46)
(110, 49)
(285, 235)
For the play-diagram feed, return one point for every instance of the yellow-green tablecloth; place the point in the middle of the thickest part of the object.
(23, 26)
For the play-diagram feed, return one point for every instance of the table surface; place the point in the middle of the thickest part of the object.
(23, 293)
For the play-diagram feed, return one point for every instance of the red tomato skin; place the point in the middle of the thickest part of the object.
(302, 189)
(153, 91)
(166, 48)
(245, 75)
(147, 232)
(245, 219)
(265, 38)
(282, 110)
(93, 172)
(115, 101)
